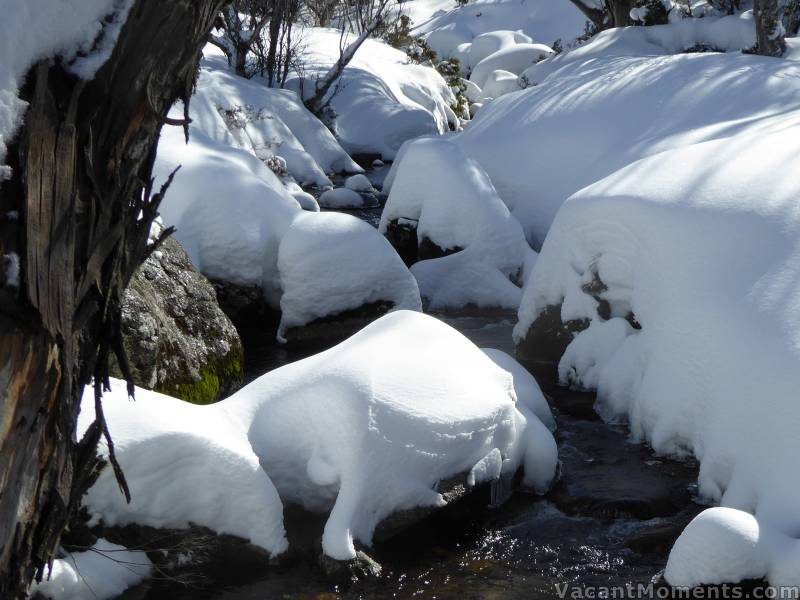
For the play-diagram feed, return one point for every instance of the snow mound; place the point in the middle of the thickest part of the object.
(514, 59)
(229, 208)
(528, 391)
(65, 28)
(183, 465)
(381, 100)
(104, 571)
(265, 121)
(358, 183)
(452, 30)
(700, 245)
(331, 262)
(499, 83)
(362, 430)
(590, 118)
(457, 210)
(341, 198)
(720, 545)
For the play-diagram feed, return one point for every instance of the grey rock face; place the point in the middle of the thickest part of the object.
(178, 340)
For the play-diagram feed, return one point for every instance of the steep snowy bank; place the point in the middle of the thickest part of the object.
(363, 430)
(698, 248)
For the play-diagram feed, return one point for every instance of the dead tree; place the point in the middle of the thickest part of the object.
(614, 13)
(770, 33)
(76, 213)
(240, 36)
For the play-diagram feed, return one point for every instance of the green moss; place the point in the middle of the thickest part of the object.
(212, 378)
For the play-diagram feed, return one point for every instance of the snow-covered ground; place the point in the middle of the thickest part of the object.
(362, 430)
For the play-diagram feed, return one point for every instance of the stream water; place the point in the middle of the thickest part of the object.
(608, 523)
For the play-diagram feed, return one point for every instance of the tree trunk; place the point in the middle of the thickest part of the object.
(620, 12)
(76, 215)
(769, 28)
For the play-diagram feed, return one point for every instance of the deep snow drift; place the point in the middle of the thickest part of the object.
(362, 430)
(331, 262)
(591, 117)
(458, 209)
(701, 246)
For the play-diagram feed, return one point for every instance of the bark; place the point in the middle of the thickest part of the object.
(81, 199)
(616, 13)
(769, 28)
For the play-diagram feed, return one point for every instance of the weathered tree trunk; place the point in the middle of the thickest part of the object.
(620, 12)
(770, 34)
(615, 13)
(76, 215)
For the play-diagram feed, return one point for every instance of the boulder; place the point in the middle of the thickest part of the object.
(177, 339)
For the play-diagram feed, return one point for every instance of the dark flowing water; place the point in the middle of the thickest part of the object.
(608, 523)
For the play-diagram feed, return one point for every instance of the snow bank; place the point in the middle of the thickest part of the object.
(184, 464)
(362, 430)
(381, 100)
(332, 262)
(458, 209)
(701, 246)
(451, 30)
(66, 28)
(514, 59)
(104, 571)
(267, 122)
(590, 118)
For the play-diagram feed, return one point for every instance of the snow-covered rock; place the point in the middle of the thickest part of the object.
(514, 59)
(341, 198)
(358, 183)
(331, 263)
(101, 572)
(381, 100)
(499, 83)
(457, 211)
(177, 339)
(697, 249)
(362, 430)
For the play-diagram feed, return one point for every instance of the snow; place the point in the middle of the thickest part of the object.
(331, 262)
(499, 83)
(362, 430)
(450, 30)
(528, 391)
(589, 118)
(459, 208)
(514, 59)
(104, 571)
(230, 209)
(184, 463)
(381, 100)
(359, 183)
(701, 244)
(341, 198)
(66, 28)
(720, 545)
(267, 122)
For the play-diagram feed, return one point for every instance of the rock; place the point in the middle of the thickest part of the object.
(346, 571)
(333, 329)
(402, 235)
(359, 183)
(545, 342)
(177, 339)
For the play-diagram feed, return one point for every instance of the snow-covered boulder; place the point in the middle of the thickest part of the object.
(514, 59)
(359, 183)
(381, 100)
(335, 266)
(363, 430)
(589, 118)
(341, 198)
(499, 83)
(478, 249)
(177, 339)
(685, 266)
